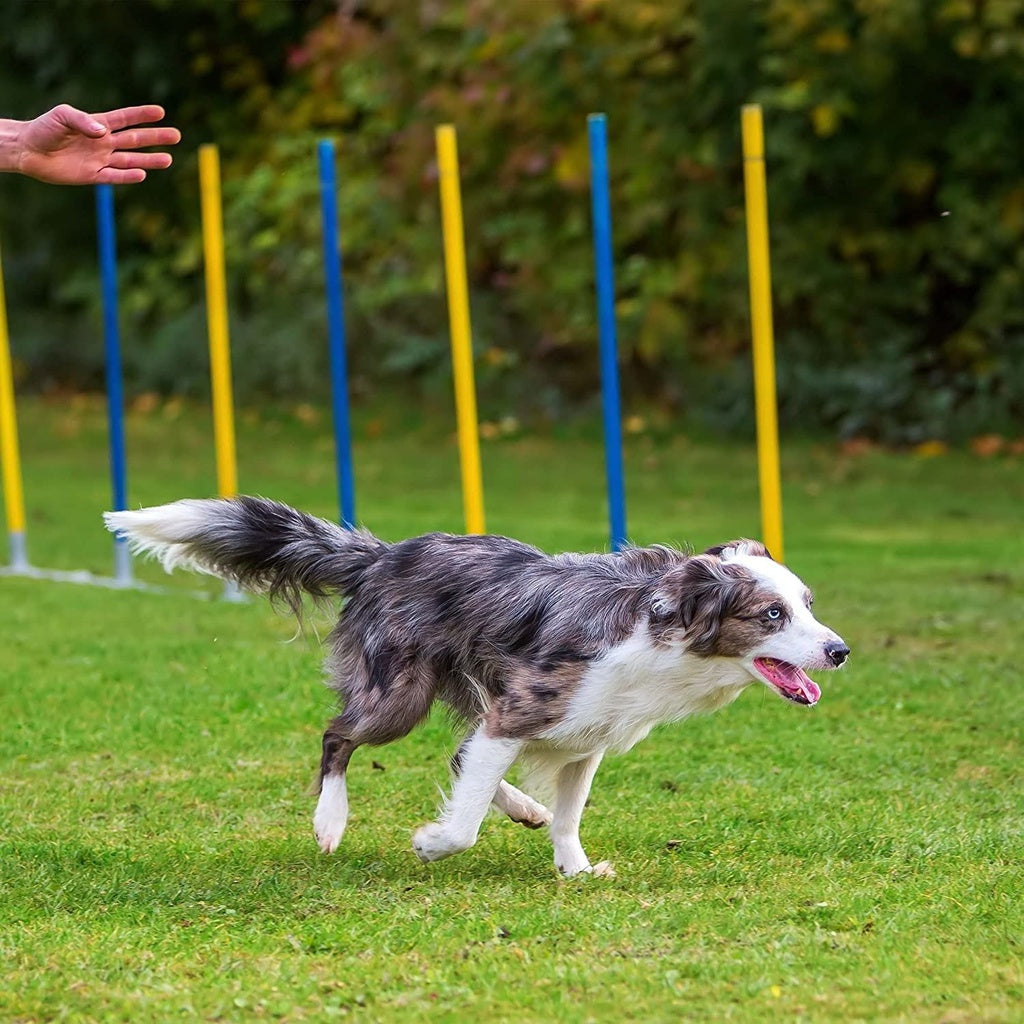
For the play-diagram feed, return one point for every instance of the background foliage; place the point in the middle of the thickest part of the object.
(895, 185)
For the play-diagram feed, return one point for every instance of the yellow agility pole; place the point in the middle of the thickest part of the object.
(761, 325)
(217, 325)
(14, 495)
(458, 318)
(217, 322)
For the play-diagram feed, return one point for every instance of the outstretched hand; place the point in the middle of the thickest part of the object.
(66, 146)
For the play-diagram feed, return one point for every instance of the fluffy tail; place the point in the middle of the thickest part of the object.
(259, 544)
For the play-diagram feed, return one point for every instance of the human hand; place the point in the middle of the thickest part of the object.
(66, 146)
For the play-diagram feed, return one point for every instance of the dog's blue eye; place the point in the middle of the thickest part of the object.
(774, 613)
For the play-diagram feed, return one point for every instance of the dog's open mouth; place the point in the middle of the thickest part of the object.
(793, 683)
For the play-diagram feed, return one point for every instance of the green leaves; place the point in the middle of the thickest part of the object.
(895, 200)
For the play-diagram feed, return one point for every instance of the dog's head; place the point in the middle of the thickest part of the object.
(734, 601)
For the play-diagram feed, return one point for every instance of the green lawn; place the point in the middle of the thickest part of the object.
(858, 861)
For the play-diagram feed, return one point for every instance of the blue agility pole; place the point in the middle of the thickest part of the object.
(336, 334)
(112, 358)
(601, 210)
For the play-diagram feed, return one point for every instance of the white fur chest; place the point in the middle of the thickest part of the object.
(637, 686)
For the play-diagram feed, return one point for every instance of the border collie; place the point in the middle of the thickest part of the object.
(553, 659)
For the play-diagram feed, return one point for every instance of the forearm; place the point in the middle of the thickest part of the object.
(10, 144)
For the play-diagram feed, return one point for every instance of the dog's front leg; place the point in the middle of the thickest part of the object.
(519, 806)
(483, 760)
(573, 787)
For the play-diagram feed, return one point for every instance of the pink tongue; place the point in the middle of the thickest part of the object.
(789, 679)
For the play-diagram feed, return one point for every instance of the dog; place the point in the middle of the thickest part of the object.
(550, 659)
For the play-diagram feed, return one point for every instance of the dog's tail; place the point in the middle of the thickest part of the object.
(259, 544)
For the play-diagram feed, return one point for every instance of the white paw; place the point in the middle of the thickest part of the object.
(571, 866)
(435, 842)
(328, 832)
(328, 837)
(521, 807)
(572, 862)
(532, 814)
(331, 814)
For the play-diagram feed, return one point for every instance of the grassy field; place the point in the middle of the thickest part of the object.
(857, 861)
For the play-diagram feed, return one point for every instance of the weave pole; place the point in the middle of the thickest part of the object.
(336, 334)
(458, 316)
(112, 367)
(756, 190)
(10, 459)
(605, 280)
(217, 325)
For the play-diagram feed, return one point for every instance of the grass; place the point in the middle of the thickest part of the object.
(861, 861)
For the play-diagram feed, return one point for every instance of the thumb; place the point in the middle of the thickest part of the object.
(80, 121)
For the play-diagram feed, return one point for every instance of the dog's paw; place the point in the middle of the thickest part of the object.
(524, 810)
(580, 867)
(572, 863)
(328, 834)
(539, 822)
(328, 839)
(434, 842)
(520, 807)
(331, 815)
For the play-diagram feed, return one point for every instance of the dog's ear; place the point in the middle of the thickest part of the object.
(695, 597)
(743, 546)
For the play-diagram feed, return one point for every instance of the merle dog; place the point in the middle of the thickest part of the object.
(553, 659)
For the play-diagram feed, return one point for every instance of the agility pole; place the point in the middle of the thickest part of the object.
(217, 325)
(107, 240)
(761, 325)
(605, 282)
(14, 493)
(336, 341)
(14, 501)
(458, 317)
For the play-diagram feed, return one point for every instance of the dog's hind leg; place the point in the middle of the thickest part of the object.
(331, 814)
(374, 716)
(483, 760)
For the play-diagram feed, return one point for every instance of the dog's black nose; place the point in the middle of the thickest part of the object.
(837, 652)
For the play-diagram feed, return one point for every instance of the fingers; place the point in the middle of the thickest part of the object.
(140, 138)
(146, 161)
(125, 165)
(113, 176)
(125, 116)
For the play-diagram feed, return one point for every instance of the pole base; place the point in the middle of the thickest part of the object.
(19, 552)
(122, 564)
